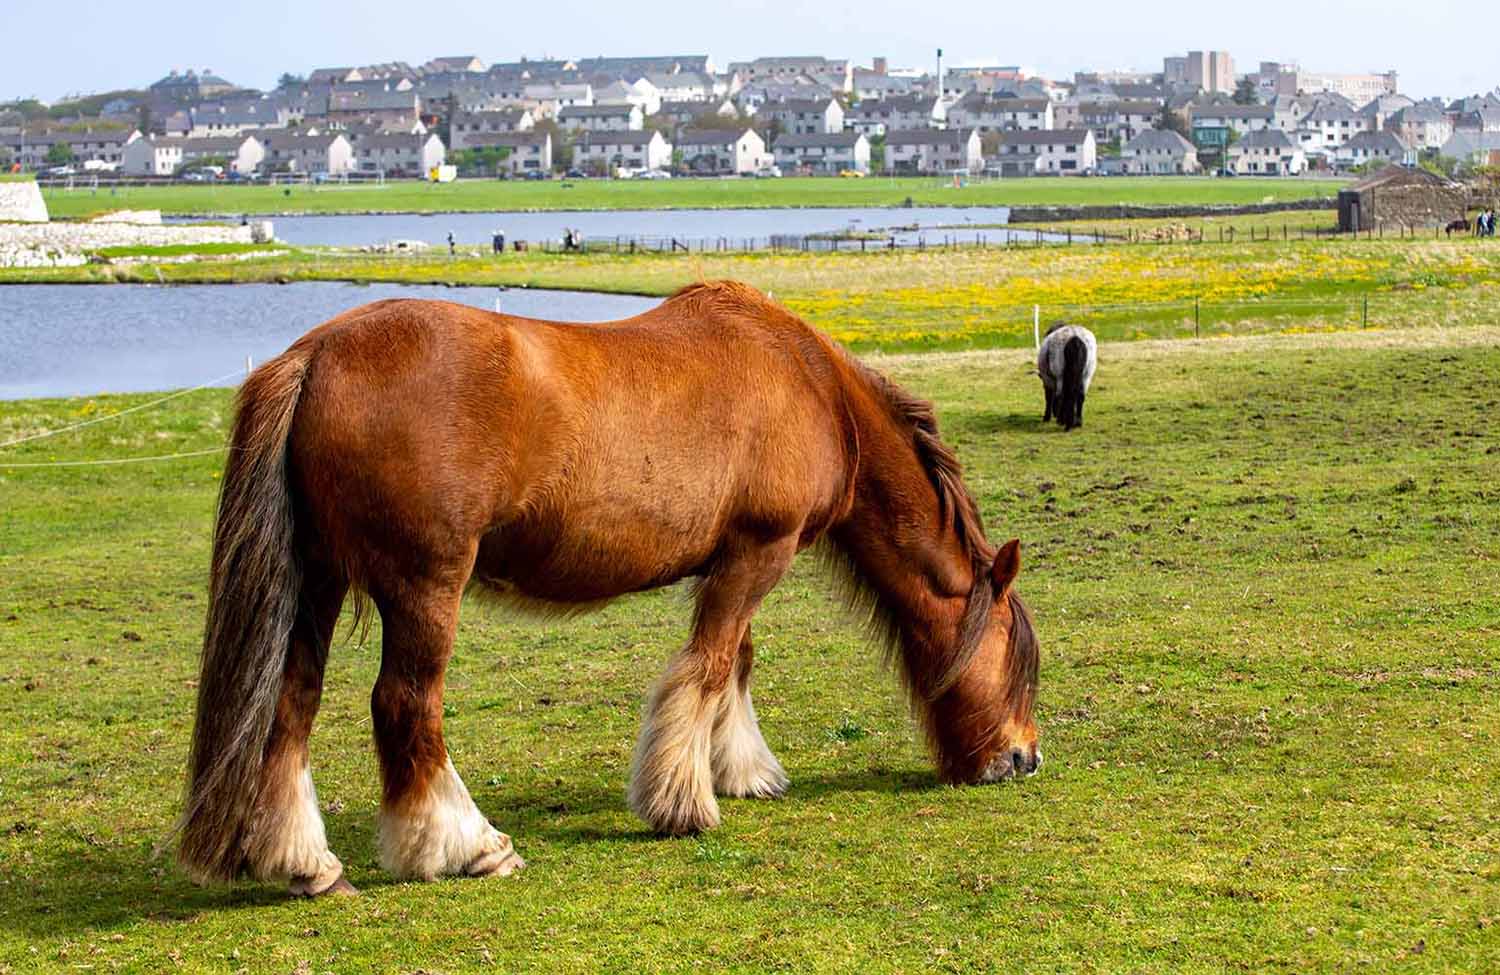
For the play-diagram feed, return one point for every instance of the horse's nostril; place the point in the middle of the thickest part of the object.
(1017, 759)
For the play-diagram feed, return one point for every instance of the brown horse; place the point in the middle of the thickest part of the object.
(408, 448)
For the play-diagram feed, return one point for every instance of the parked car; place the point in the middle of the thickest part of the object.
(575, 174)
(768, 172)
(535, 174)
(656, 174)
(851, 174)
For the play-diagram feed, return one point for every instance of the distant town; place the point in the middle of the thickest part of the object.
(654, 117)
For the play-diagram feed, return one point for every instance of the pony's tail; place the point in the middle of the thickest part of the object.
(253, 598)
(1075, 359)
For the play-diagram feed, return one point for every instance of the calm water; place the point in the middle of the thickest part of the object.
(73, 340)
(684, 225)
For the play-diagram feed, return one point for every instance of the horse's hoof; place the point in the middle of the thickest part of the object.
(305, 887)
(496, 863)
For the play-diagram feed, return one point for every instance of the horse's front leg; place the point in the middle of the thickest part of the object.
(672, 784)
(743, 767)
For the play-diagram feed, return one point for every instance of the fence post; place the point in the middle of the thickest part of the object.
(1036, 325)
(1365, 318)
(1197, 333)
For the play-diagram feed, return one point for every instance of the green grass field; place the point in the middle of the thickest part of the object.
(1263, 575)
(483, 195)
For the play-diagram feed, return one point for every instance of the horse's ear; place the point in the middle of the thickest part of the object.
(1007, 566)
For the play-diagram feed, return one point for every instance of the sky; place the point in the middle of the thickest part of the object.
(103, 46)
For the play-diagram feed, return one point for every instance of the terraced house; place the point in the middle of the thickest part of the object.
(601, 118)
(294, 152)
(606, 153)
(823, 153)
(91, 148)
(164, 155)
(1159, 152)
(1266, 152)
(799, 116)
(722, 150)
(465, 125)
(1117, 120)
(399, 154)
(1054, 152)
(933, 151)
(877, 116)
(526, 152)
(988, 113)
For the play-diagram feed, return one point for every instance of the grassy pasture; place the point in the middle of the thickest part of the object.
(592, 194)
(968, 298)
(1264, 577)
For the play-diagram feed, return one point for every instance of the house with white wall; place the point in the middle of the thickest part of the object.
(399, 153)
(804, 116)
(601, 118)
(1266, 152)
(823, 153)
(722, 150)
(933, 151)
(609, 152)
(1159, 152)
(1050, 152)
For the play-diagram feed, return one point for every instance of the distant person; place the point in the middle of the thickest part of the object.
(452, 250)
(498, 242)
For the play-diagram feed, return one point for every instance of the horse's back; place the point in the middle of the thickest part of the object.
(613, 456)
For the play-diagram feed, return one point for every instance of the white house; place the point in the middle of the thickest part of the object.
(722, 150)
(1117, 120)
(1375, 147)
(991, 114)
(529, 152)
(1267, 152)
(609, 152)
(399, 153)
(877, 116)
(327, 152)
(823, 152)
(1421, 126)
(933, 151)
(1159, 152)
(466, 124)
(1056, 152)
(601, 118)
(804, 116)
(157, 155)
(1326, 127)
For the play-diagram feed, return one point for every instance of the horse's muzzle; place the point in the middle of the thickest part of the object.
(1017, 762)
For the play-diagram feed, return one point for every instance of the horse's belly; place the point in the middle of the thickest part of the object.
(603, 544)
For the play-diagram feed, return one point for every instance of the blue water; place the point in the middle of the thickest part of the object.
(697, 227)
(76, 340)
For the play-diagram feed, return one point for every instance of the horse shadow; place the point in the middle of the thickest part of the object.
(75, 893)
(989, 424)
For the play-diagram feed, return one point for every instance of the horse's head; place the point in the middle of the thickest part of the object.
(981, 722)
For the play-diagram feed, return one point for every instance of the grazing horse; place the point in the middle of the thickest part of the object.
(1066, 362)
(408, 449)
(1461, 225)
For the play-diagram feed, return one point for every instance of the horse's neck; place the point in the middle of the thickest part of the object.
(895, 535)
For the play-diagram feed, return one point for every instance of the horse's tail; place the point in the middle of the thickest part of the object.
(253, 598)
(1075, 360)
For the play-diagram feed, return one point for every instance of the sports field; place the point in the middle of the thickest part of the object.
(474, 195)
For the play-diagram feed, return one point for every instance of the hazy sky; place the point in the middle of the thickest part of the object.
(91, 46)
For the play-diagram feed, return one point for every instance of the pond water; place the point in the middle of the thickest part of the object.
(76, 340)
(694, 228)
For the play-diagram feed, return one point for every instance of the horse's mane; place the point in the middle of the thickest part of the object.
(929, 676)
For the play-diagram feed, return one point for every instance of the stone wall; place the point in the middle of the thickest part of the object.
(1130, 212)
(21, 202)
(66, 244)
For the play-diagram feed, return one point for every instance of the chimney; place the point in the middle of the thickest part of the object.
(880, 65)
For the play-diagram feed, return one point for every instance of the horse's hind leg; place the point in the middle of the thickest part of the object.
(429, 825)
(672, 784)
(286, 838)
(742, 765)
